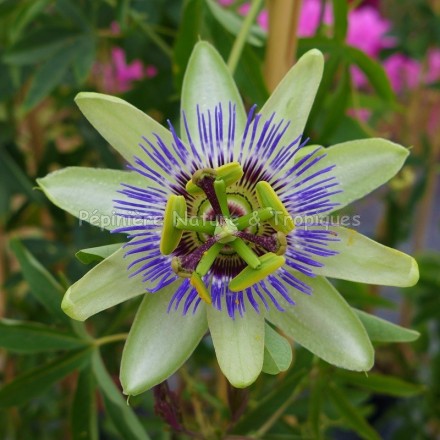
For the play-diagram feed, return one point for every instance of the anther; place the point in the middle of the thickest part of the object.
(197, 282)
(170, 238)
(249, 276)
(267, 197)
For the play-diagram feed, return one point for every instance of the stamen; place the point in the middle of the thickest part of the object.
(201, 289)
(208, 259)
(246, 253)
(170, 239)
(249, 276)
(267, 197)
(254, 218)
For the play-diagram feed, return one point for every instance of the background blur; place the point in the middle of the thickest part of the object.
(381, 79)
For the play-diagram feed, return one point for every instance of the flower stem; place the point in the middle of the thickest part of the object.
(240, 41)
(281, 40)
(110, 339)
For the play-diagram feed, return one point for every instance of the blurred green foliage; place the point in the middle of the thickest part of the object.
(61, 374)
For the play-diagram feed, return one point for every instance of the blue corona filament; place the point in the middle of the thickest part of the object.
(303, 188)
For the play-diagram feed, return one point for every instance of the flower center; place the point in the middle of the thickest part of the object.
(261, 255)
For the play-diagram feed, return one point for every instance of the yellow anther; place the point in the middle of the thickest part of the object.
(170, 238)
(267, 197)
(197, 282)
(248, 276)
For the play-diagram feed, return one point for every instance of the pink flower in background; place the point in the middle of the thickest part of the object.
(125, 74)
(403, 72)
(117, 76)
(433, 71)
(309, 17)
(367, 31)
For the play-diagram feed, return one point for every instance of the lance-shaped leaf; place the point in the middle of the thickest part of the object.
(207, 83)
(106, 285)
(380, 330)
(366, 261)
(122, 415)
(38, 380)
(91, 255)
(88, 193)
(325, 324)
(33, 337)
(43, 286)
(238, 344)
(159, 342)
(84, 422)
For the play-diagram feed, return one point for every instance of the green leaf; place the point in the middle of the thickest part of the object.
(85, 58)
(27, 15)
(207, 83)
(277, 352)
(104, 286)
(380, 330)
(31, 337)
(233, 23)
(95, 190)
(325, 324)
(14, 178)
(381, 384)
(159, 341)
(84, 423)
(363, 260)
(50, 74)
(122, 126)
(238, 344)
(361, 166)
(33, 383)
(373, 71)
(72, 12)
(352, 415)
(92, 255)
(293, 98)
(123, 417)
(336, 106)
(43, 286)
(340, 11)
(39, 45)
